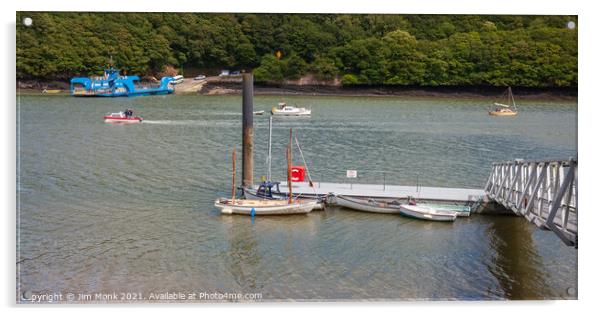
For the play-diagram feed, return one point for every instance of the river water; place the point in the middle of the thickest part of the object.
(129, 208)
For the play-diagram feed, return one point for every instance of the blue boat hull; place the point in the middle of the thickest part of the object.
(126, 94)
(114, 85)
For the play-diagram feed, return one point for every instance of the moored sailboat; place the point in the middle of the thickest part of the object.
(267, 206)
(501, 109)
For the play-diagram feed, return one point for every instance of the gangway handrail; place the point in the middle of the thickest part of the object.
(543, 191)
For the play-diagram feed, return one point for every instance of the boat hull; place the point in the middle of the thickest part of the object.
(109, 119)
(264, 207)
(429, 214)
(366, 205)
(300, 112)
(494, 113)
(253, 195)
(136, 93)
(291, 114)
(461, 210)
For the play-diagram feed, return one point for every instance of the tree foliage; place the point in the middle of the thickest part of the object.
(429, 50)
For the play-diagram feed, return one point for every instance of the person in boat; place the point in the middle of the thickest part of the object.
(128, 113)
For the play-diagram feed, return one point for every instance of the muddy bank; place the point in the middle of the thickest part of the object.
(212, 88)
(230, 86)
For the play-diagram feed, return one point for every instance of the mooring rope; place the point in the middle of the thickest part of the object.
(311, 183)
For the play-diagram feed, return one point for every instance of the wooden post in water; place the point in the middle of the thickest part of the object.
(247, 129)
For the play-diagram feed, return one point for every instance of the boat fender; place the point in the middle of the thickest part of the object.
(253, 212)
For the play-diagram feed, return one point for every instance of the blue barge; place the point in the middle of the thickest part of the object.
(114, 85)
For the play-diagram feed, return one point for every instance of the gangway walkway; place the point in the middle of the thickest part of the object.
(543, 191)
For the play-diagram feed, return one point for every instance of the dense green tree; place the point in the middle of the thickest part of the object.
(270, 70)
(431, 50)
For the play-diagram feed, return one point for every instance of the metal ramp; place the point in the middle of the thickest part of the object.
(543, 191)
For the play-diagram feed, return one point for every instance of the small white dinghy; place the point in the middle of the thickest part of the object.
(461, 210)
(427, 213)
(265, 207)
(368, 204)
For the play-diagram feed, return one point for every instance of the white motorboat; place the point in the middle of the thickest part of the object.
(288, 110)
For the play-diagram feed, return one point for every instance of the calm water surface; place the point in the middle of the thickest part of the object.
(129, 208)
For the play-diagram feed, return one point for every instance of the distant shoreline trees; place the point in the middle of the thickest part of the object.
(417, 50)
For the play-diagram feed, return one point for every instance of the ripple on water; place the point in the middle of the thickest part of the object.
(113, 207)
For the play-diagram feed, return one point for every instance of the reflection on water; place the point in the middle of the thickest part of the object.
(517, 264)
(130, 207)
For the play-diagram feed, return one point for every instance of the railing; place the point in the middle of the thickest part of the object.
(543, 191)
(375, 177)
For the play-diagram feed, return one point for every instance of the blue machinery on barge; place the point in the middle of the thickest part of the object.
(114, 85)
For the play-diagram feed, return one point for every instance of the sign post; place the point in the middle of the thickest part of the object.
(351, 174)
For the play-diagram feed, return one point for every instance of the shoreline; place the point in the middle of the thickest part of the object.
(233, 87)
(454, 92)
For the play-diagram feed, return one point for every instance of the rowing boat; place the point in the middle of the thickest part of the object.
(461, 210)
(368, 204)
(427, 213)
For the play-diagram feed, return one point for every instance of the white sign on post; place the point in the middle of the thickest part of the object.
(351, 173)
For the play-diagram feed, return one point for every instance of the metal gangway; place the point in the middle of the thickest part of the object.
(543, 191)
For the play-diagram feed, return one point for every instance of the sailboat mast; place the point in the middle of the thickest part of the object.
(289, 158)
(270, 152)
(512, 96)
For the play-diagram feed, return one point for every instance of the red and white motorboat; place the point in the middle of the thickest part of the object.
(120, 117)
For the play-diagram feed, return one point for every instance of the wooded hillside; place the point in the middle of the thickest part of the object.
(427, 50)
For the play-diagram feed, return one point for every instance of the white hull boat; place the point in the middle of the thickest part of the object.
(289, 110)
(427, 213)
(461, 210)
(368, 204)
(264, 207)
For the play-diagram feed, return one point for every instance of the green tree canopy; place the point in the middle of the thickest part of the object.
(429, 50)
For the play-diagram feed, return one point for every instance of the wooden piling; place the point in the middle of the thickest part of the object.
(247, 129)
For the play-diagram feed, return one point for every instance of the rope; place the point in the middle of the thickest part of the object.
(311, 184)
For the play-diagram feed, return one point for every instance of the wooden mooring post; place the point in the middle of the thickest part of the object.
(247, 130)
